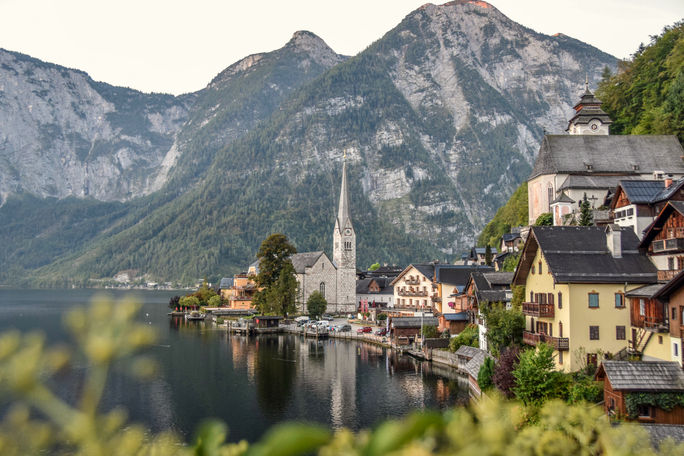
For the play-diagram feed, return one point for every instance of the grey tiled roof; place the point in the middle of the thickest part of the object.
(641, 191)
(510, 236)
(459, 316)
(579, 254)
(569, 154)
(304, 260)
(574, 181)
(644, 375)
(414, 322)
(477, 357)
(647, 291)
(458, 275)
(563, 198)
(226, 283)
(467, 351)
(499, 278)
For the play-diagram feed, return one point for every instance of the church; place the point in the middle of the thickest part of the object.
(590, 161)
(336, 279)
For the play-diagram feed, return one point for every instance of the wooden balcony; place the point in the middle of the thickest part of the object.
(412, 281)
(412, 293)
(666, 276)
(558, 343)
(534, 309)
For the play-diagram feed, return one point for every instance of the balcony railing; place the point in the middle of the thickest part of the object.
(558, 343)
(664, 276)
(412, 293)
(412, 281)
(534, 309)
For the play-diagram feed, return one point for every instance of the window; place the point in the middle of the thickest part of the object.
(642, 307)
(674, 313)
(619, 300)
(676, 349)
(660, 340)
(560, 300)
(593, 300)
(532, 269)
(592, 359)
(645, 411)
(549, 196)
(540, 267)
(532, 297)
(322, 288)
(619, 333)
(670, 263)
(560, 357)
(593, 333)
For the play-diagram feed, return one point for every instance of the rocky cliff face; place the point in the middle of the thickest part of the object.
(63, 134)
(440, 118)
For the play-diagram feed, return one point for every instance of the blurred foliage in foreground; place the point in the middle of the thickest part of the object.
(39, 422)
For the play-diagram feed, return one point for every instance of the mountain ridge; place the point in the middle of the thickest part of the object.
(440, 117)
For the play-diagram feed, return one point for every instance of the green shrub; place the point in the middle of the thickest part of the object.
(484, 377)
(469, 337)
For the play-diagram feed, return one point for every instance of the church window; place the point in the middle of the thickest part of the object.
(322, 288)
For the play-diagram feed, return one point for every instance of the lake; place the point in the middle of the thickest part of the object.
(251, 383)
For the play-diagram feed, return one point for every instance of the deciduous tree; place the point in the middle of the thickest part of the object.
(316, 305)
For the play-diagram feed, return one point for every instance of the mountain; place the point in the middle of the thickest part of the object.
(440, 119)
(64, 134)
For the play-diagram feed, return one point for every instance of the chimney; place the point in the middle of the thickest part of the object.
(614, 240)
(668, 181)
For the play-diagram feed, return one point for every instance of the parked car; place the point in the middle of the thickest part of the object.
(381, 332)
(365, 329)
(344, 328)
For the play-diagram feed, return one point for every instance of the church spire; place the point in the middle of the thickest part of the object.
(343, 217)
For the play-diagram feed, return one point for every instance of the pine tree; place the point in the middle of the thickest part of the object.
(586, 218)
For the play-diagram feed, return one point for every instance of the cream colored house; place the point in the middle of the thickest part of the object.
(575, 281)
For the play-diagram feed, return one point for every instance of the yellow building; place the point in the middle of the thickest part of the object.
(575, 282)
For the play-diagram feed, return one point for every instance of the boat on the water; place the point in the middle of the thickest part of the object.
(195, 315)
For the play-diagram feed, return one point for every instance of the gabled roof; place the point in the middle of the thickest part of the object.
(563, 198)
(657, 225)
(304, 260)
(428, 270)
(457, 275)
(511, 236)
(619, 154)
(503, 279)
(475, 358)
(226, 283)
(643, 375)
(670, 288)
(579, 254)
(363, 285)
(481, 251)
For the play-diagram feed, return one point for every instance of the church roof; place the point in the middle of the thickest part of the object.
(343, 216)
(304, 260)
(575, 181)
(563, 198)
(618, 154)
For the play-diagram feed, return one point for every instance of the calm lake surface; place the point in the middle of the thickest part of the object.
(249, 383)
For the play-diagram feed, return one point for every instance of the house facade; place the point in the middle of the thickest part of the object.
(575, 279)
(664, 240)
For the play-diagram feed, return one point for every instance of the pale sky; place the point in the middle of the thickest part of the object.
(179, 46)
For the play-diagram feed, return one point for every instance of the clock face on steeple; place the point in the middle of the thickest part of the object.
(347, 232)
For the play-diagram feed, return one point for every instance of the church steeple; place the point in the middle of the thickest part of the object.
(344, 249)
(589, 118)
(343, 217)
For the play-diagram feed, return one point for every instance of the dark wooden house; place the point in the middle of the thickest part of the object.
(672, 296)
(623, 378)
(664, 240)
(648, 322)
(406, 330)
